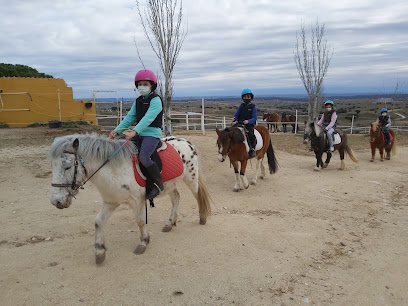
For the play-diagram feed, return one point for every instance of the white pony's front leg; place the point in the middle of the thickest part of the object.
(244, 181)
(139, 208)
(175, 200)
(237, 186)
(255, 179)
(101, 218)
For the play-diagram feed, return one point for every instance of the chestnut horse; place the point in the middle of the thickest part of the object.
(272, 121)
(231, 142)
(292, 121)
(377, 140)
(318, 139)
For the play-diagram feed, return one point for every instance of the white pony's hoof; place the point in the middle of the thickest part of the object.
(253, 182)
(317, 169)
(236, 189)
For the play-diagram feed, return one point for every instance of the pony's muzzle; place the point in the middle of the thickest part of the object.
(221, 157)
(60, 204)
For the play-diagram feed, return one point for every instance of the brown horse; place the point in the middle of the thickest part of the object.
(231, 142)
(291, 119)
(377, 140)
(272, 121)
(318, 140)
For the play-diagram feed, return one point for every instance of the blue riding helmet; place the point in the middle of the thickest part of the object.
(329, 102)
(247, 91)
(383, 110)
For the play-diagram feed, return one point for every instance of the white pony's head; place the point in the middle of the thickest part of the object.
(68, 171)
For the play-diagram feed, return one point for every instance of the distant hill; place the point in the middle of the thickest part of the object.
(10, 70)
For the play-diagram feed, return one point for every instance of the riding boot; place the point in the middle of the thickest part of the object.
(156, 178)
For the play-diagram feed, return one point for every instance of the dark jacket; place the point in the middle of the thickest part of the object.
(142, 105)
(246, 111)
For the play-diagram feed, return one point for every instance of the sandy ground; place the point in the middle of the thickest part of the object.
(298, 237)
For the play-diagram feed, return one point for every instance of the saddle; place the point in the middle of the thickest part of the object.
(258, 137)
(168, 160)
(389, 135)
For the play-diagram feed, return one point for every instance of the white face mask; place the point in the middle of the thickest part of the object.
(328, 109)
(143, 90)
(384, 114)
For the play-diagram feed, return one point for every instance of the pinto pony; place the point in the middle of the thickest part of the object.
(318, 139)
(77, 158)
(231, 142)
(272, 121)
(377, 140)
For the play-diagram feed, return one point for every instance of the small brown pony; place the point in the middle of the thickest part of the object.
(291, 119)
(377, 140)
(231, 142)
(273, 120)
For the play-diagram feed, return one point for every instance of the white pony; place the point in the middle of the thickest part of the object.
(76, 158)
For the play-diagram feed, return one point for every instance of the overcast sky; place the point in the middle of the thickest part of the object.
(231, 44)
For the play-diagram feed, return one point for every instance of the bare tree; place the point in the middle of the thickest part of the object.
(162, 24)
(312, 60)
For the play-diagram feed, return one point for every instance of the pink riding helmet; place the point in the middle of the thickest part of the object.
(145, 75)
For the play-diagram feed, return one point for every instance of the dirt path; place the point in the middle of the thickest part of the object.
(298, 237)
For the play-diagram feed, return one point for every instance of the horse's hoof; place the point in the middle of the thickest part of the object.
(317, 169)
(387, 158)
(246, 187)
(325, 165)
(382, 159)
(167, 228)
(203, 221)
(140, 249)
(236, 189)
(262, 177)
(253, 183)
(372, 160)
(100, 258)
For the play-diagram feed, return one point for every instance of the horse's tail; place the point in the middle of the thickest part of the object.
(351, 153)
(203, 199)
(272, 162)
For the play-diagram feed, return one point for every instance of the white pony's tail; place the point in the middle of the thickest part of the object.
(203, 200)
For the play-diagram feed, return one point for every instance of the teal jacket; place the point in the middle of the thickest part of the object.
(143, 128)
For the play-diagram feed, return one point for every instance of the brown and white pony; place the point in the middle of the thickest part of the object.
(231, 142)
(377, 140)
(272, 121)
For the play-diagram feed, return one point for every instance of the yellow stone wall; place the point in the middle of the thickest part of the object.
(37, 101)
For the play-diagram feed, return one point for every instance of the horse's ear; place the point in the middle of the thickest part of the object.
(218, 131)
(75, 144)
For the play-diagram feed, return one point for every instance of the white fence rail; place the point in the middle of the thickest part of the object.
(200, 122)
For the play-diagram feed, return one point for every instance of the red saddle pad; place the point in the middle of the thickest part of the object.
(172, 165)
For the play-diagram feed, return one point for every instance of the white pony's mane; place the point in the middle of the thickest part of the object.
(94, 146)
(317, 128)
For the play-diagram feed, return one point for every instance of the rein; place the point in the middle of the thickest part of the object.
(78, 161)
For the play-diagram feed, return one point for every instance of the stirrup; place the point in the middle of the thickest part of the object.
(154, 192)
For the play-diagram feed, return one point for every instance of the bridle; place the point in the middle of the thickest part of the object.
(74, 185)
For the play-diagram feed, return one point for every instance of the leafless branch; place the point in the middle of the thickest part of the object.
(312, 59)
(161, 21)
